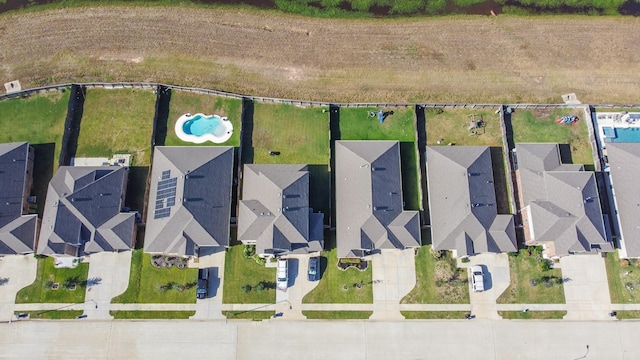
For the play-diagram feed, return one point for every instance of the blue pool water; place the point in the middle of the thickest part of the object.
(200, 125)
(622, 135)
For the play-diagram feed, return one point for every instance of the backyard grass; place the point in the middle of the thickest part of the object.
(531, 314)
(145, 281)
(451, 126)
(53, 314)
(248, 315)
(337, 286)
(121, 314)
(438, 281)
(337, 315)
(357, 124)
(185, 102)
(530, 284)
(301, 135)
(539, 126)
(628, 314)
(239, 272)
(624, 279)
(117, 122)
(416, 315)
(41, 292)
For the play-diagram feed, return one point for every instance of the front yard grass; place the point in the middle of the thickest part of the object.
(530, 284)
(451, 126)
(337, 286)
(356, 124)
(183, 102)
(117, 122)
(438, 281)
(532, 314)
(424, 315)
(337, 315)
(248, 315)
(628, 314)
(538, 126)
(145, 281)
(239, 272)
(41, 291)
(122, 314)
(53, 314)
(624, 279)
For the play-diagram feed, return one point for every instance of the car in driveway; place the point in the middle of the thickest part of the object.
(477, 278)
(314, 269)
(203, 283)
(282, 274)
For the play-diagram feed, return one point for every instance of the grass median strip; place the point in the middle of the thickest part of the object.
(425, 315)
(628, 314)
(248, 315)
(532, 314)
(52, 314)
(337, 315)
(124, 314)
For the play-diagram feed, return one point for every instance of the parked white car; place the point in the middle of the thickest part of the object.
(282, 275)
(477, 278)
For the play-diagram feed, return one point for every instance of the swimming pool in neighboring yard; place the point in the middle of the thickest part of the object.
(621, 135)
(199, 128)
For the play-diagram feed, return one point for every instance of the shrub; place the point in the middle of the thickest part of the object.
(437, 254)
(545, 264)
(246, 289)
(260, 261)
(249, 251)
(260, 287)
(465, 260)
(624, 262)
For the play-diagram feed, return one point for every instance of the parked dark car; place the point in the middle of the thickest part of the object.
(314, 269)
(203, 283)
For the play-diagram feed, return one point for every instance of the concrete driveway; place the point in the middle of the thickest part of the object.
(289, 302)
(108, 277)
(394, 276)
(16, 272)
(211, 307)
(586, 289)
(496, 281)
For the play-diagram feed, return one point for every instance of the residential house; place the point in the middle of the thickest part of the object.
(370, 213)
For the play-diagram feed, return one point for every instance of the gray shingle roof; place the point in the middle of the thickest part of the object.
(197, 205)
(275, 212)
(369, 206)
(462, 202)
(562, 200)
(83, 212)
(624, 165)
(17, 231)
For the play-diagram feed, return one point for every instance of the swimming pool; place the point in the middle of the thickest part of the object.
(621, 135)
(199, 128)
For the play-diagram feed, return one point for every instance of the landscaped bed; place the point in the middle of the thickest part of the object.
(417, 315)
(624, 279)
(530, 282)
(183, 102)
(117, 122)
(55, 285)
(438, 279)
(532, 314)
(151, 284)
(248, 315)
(357, 124)
(121, 314)
(246, 281)
(337, 315)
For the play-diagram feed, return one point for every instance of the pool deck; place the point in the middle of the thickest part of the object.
(199, 139)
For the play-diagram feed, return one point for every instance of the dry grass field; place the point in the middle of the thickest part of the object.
(266, 53)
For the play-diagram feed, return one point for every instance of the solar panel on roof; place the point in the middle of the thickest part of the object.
(171, 201)
(162, 213)
(166, 174)
(159, 204)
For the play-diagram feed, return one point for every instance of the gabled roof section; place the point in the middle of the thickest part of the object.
(562, 200)
(275, 212)
(369, 201)
(189, 199)
(624, 160)
(17, 231)
(462, 202)
(83, 212)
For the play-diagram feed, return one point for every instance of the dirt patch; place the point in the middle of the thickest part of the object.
(267, 53)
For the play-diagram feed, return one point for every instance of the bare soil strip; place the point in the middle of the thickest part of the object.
(447, 59)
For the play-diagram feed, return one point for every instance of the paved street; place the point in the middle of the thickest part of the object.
(353, 340)
(16, 272)
(108, 277)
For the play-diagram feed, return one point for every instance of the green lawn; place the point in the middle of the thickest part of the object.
(416, 315)
(185, 102)
(337, 286)
(628, 314)
(438, 281)
(40, 292)
(337, 315)
(539, 126)
(151, 314)
(117, 121)
(525, 271)
(356, 124)
(248, 315)
(620, 275)
(538, 315)
(451, 126)
(239, 272)
(145, 281)
(300, 134)
(53, 314)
